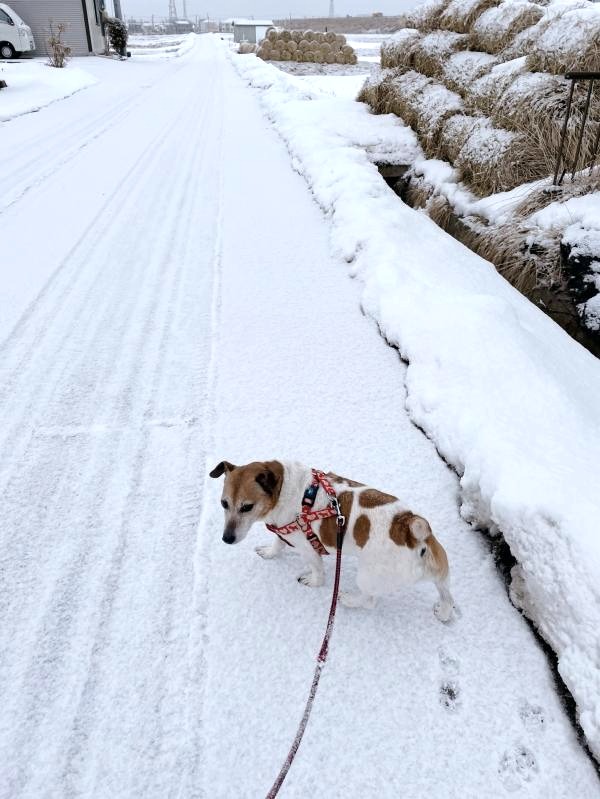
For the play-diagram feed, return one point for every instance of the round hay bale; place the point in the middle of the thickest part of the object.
(314, 46)
(339, 57)
(330, 58)
(347, 50)
(309, 57)
(292, 46)
(350, 58)
(330, 37)
(272, 35)
(275, 55)
(340, 39)
(286, 36)
(309, 36)
(325, 47)
(285, 56)
(299, 56)
(261, 53)
(304, 45)
(297, 36)
(320, 37)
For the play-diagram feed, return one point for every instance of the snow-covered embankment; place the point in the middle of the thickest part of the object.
(509, 399)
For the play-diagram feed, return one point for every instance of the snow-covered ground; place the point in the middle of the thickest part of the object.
(33, 84)
(509, 399)
(178, 304)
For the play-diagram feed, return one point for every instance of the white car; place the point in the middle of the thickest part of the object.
(15, 36)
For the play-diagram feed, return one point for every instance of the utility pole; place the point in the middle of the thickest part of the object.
(331, 9)
(185, 16)
(172, 10)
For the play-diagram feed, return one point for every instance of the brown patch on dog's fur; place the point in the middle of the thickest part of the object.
(362, 526)
(335, 478)
(371, 498)
(400, 530)
(328, 528)
(241, 484)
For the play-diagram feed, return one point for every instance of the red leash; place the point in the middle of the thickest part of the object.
(321, 658)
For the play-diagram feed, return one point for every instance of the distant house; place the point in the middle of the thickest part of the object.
(250, 30)
(84, 33)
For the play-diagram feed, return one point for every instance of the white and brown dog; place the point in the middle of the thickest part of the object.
(394, 546)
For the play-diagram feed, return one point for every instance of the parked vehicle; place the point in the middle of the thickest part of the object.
(15, 36)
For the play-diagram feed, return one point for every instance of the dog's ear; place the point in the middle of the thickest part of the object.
(267, 480)
(221, 468)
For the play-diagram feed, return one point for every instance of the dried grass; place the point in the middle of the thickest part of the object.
(570, 41)
(493, 159)
(425, 17)
(482, 95)
(463, 68)
(460, 15)
(498, 26)
(431, 52)
(399, 51)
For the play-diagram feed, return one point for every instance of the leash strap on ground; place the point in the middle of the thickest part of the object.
(321, 659)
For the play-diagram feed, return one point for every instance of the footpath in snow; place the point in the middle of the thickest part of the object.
(176, 321)
(510, 401)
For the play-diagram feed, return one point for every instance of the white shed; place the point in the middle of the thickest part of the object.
(250, 30)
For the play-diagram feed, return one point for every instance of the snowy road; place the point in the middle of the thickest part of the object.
(178, 305)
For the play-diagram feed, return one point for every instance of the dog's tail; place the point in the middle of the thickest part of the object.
(429, 548)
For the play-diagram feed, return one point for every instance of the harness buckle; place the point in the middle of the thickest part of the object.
(341, 519)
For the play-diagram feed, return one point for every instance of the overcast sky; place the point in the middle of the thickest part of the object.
(270, 9)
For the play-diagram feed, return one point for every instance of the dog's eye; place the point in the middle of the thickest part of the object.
(225, 504)
(246, 508)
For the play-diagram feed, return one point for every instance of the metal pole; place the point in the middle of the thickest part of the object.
(581, 132)
(562, 137)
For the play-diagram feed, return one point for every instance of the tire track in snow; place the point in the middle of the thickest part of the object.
(80, 592)
(198, 639)
(65, 141)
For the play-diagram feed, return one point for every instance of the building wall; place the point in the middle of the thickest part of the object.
(250, 33)
(38, 13)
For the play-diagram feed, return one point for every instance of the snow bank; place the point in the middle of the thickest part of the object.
(33, 85)
(164, 46)
(510, 400)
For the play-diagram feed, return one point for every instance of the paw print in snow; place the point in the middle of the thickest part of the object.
(532, 716)
(517, 768)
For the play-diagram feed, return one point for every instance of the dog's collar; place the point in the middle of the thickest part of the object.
(303, 521)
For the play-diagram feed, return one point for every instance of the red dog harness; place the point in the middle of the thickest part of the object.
(303, 521)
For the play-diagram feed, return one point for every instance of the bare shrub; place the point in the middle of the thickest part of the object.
(58, 52)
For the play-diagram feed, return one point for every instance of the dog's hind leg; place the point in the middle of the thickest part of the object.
(272, 550)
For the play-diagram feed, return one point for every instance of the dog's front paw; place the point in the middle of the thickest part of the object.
(311, 579)
(267, 552)
(443, 611)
